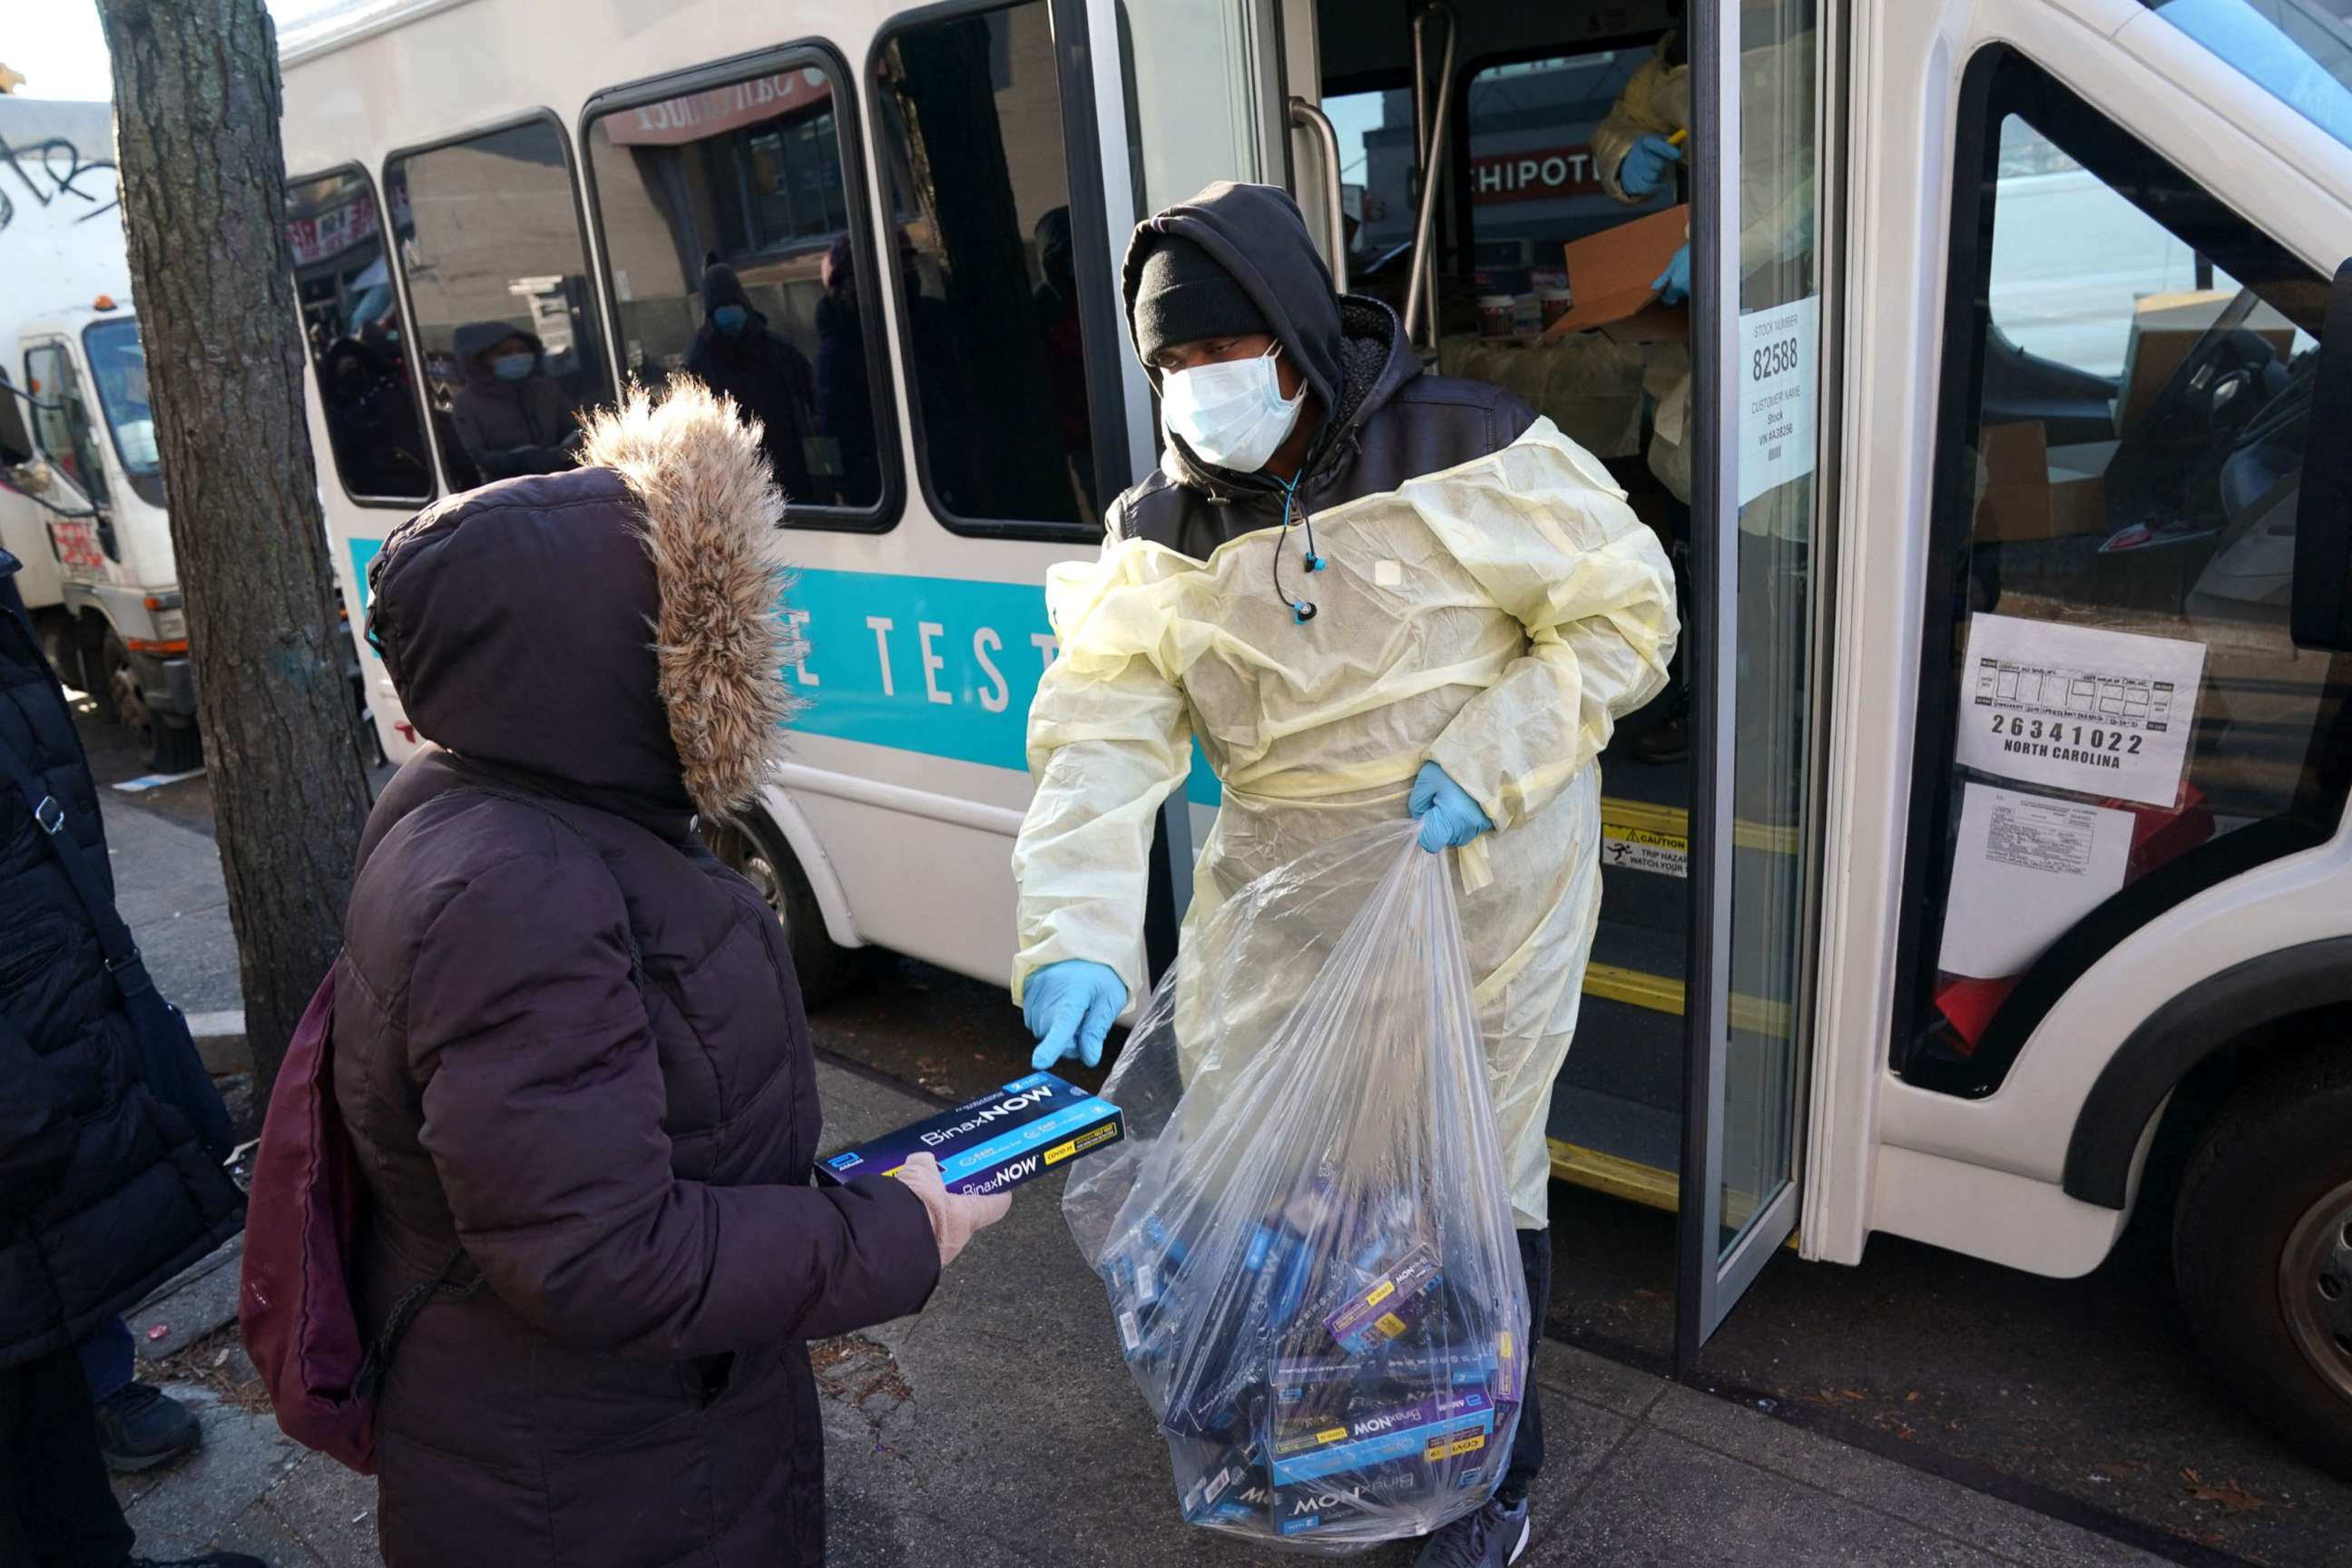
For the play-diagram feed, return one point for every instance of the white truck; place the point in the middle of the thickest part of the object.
(81, 483)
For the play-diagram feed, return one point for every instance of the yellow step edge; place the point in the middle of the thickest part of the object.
(1674, 822)
(1660, 994)
(1636, 1181)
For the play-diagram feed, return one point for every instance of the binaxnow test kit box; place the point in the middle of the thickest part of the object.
(995, 1142)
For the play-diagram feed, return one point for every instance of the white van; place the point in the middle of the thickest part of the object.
(2018, 520)
(84, 508)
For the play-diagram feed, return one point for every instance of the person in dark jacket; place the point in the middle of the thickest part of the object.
(512, 417)
(735, 355)
(568, 1043)
(106, 1190)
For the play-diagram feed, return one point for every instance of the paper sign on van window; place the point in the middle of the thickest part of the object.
(2025, 869)
(1778, 354)
(2077, 708)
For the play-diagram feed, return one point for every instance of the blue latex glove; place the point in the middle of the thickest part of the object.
(1070, 1006)
(1449, 817)
(1644, 170)
(1673, 284)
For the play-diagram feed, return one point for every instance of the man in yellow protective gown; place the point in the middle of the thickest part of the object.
(1365, 592)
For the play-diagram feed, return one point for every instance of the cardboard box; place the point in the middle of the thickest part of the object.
(2036, 491)
(2163, 328)
(996, 1142)
(1611, 273)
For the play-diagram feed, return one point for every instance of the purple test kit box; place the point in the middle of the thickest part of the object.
(1389, 1306)
(995, 1142)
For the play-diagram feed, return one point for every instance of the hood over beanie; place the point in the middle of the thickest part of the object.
(1254, 235)
(722, 286)
(1382, 420)
(473, 340)
(614, 628)
(1184, 294)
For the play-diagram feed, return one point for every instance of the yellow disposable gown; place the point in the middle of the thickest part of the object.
(1496, 617)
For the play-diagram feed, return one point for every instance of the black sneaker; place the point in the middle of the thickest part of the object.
(210, 1560)
(1491, 1538)
(140, 1427)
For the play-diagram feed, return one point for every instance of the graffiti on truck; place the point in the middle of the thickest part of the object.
(54, 167)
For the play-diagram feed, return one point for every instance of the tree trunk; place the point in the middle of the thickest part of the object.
(196, 104)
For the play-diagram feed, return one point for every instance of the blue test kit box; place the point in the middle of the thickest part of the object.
(995, 1142)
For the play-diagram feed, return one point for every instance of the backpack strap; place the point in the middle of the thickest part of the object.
(173, 1071)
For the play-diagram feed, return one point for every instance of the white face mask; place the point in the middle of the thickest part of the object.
(1233, 413)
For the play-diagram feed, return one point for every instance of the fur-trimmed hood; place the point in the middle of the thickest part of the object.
(614, 631)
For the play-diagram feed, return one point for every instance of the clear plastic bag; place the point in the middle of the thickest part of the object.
(1307, 1235)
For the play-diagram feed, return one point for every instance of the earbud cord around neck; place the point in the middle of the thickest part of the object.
(1301, 610)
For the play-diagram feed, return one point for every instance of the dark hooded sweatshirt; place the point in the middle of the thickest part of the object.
(510, 427)
(769, 379)
(567, 1038)
(1385, 422)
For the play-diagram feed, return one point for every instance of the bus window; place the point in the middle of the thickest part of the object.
(724, 215)
(367, 391)
(490, 249)
(969, 135)
(2115, 715)
(1533, 185)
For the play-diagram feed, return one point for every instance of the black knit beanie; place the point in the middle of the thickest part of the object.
(1182, 295)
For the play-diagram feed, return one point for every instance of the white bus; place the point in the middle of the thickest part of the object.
(2017, 751)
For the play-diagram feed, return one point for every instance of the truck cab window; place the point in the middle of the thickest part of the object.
(118, 364)
(367, 385)
(61, 421)
(2115, 715)
(969, 138)
(488, 229)
(724, 215)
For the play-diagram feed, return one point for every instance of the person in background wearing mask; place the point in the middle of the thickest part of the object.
(1638, 158)
(1461, 661)
(511, 416)
(1635, 152)
(735, 355)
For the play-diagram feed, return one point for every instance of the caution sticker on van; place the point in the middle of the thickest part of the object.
(1644, 849)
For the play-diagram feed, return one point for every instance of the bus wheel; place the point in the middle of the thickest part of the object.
(2261, 1251)
(753, 847)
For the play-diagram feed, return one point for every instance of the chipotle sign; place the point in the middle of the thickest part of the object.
(1534, 175)
(694, 116)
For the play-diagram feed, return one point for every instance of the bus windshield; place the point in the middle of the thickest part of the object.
(118, 365)
(2299, 51)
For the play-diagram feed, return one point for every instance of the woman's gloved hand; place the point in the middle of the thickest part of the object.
(1070, 1006)
(1644, 170)
(1449, 819)
(955, 1217)
(1673, 284)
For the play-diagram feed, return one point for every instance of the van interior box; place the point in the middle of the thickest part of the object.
(1611, 273)
(2035, 491)
(2164, 327)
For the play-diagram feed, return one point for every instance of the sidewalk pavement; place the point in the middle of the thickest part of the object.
(1000, 1427)
(169, 886)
